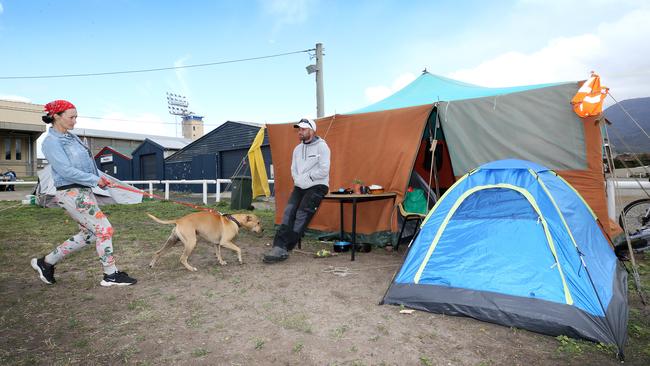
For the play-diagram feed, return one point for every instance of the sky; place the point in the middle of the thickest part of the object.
(372, 49)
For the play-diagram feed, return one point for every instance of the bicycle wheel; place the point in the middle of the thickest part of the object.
(633, 216)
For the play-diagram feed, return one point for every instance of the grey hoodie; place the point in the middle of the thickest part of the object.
(310, 164)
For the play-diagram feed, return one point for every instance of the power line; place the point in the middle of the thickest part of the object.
(152, 70)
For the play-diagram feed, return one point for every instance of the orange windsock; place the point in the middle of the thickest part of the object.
(588, 101)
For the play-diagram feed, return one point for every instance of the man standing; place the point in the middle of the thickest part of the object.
(310, 169)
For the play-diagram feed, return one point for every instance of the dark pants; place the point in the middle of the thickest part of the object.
(300, 209)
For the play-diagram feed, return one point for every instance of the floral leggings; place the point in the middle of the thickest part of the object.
(81, 205)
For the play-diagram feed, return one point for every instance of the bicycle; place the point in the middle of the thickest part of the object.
(635, 219)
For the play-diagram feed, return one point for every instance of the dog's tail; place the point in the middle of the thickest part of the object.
(154, 218)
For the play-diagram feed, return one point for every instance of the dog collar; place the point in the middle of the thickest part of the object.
(229, 217)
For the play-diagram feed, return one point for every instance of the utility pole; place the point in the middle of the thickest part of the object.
(320, 98)
(318, 69)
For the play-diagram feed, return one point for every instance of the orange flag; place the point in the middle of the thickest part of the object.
(589, 99)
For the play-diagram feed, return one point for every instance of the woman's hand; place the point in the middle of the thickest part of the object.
(104, 182)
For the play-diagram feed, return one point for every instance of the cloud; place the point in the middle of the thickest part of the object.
(618, 50)
(2, 9)
(14, 98)
(377, 93)
(288, 11)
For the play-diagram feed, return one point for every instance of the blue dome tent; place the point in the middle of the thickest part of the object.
(512, 243)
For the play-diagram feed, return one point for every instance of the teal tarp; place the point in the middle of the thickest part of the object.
(429, 88)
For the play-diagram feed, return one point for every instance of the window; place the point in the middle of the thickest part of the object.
(193, 128)
(7, 148)
(19, 143)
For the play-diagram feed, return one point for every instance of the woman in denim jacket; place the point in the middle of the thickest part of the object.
(75, 173)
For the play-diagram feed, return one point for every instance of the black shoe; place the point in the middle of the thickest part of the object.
(45, 270)
(117, 279)
(276, 254)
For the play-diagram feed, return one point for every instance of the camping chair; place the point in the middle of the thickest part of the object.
(408, 216)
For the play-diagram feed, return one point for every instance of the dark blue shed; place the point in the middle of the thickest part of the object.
(149, 157)
(218, 154)
(114, 163)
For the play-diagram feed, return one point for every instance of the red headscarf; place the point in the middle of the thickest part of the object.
(58, 106)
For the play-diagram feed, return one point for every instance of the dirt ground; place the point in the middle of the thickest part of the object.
(299, 312)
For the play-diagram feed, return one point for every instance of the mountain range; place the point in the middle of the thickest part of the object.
(625, 135)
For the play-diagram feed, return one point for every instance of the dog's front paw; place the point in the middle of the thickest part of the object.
(222, 262)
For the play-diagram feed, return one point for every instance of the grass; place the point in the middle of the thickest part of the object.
(138, 305)
(339, 331)
(298, 347)
(73, 322)
(199, 352)
(299, 322)
(195, 320)
(128, 353)
(259, 343)
(569, 345)
(27, 231)
(81, 343)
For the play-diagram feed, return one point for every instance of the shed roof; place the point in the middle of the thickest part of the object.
(166, 140)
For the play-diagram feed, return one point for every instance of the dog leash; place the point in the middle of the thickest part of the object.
(135, 190)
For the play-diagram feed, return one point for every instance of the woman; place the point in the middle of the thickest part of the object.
(74, 173)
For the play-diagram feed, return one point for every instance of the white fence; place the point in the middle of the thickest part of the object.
(203, 182)
(150, 183)
(18, 183)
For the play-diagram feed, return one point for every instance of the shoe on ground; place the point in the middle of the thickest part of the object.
(45, 270)
(117, 279)
(275, 255)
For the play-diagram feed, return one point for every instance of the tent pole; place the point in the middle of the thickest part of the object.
(617, 200)
(434, 169)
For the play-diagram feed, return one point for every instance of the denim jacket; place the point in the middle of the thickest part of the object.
(70, 159)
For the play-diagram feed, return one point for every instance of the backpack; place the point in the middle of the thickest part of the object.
(415, 201)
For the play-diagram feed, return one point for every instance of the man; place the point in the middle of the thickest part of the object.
(11, 177)
(310, 169)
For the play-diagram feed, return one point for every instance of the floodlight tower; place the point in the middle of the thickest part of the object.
(192, 124)
(178, 106)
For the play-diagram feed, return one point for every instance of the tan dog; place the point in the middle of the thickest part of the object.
(213, 227)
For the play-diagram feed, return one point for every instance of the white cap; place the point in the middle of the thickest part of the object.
(306, 123)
